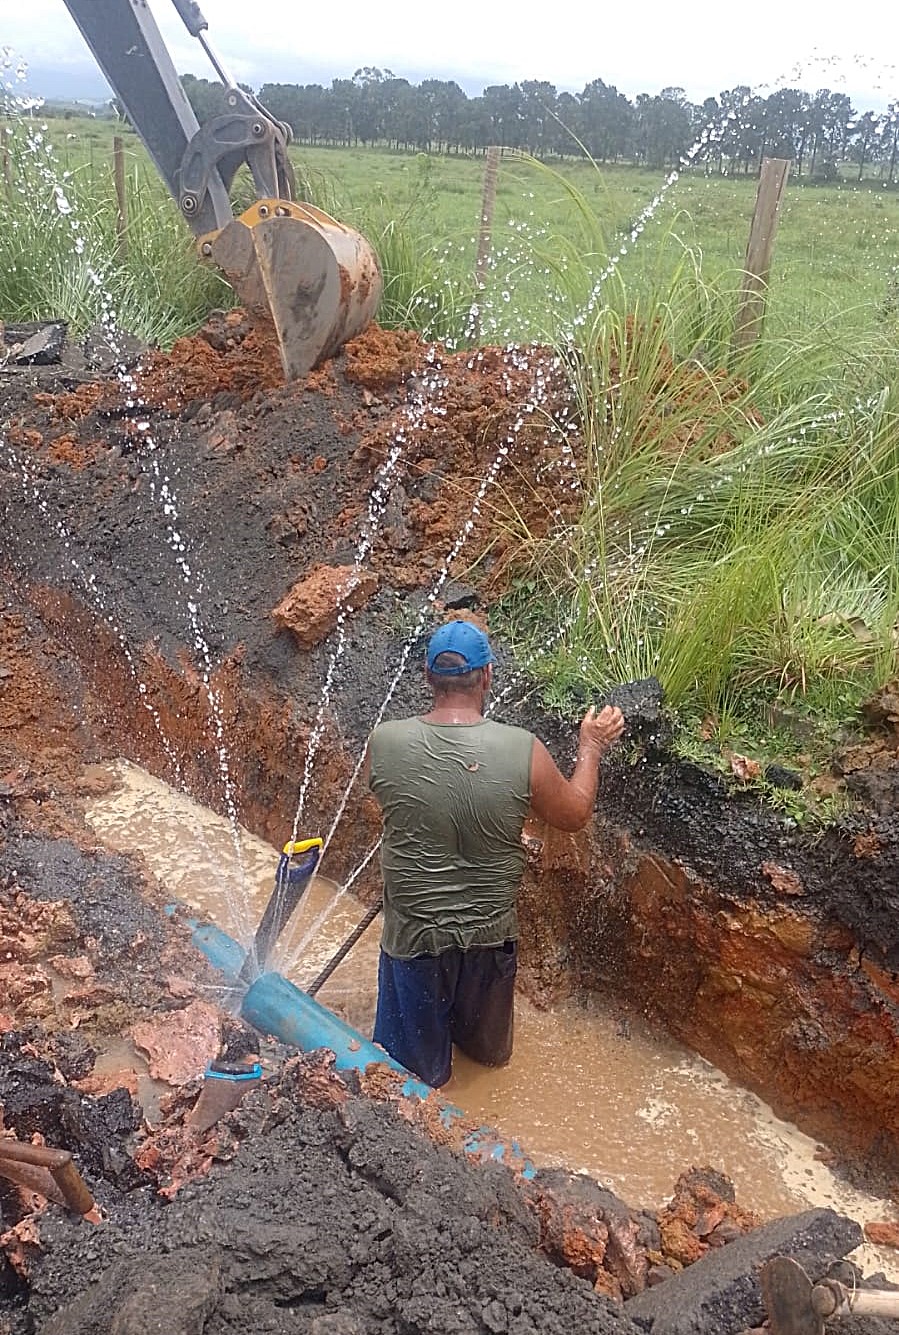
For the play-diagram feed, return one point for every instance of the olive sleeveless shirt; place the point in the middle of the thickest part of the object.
(454, 798)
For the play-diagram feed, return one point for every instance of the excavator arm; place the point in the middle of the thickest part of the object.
(313, 281)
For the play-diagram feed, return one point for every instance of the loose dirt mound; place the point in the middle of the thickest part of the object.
(324, 1220)
(454, 417)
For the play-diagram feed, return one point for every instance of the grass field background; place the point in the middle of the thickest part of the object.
(836, 260)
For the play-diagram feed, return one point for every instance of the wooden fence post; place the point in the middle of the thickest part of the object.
(753, 295)
(488, 204)
(7, 165)
(118, 171)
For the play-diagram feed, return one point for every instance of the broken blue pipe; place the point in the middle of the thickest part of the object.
(277, 1007)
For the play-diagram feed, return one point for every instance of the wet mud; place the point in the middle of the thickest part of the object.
(772, 954)
(196, 527)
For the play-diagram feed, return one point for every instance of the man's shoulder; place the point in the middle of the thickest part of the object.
(393, 728)
(396, 724)
(401, 727)
(512, 732)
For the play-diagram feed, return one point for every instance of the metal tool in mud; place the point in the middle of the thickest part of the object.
(224, 1085)
(296, 867)
(312, 281)
(48, 1171)
(796, 1306)
(345, 947)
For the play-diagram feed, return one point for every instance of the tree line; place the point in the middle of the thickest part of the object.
(729, 133)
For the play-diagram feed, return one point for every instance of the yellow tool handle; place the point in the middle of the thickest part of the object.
(293, 848)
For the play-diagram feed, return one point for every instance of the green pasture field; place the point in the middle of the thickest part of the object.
(836, 266)
(837, 247)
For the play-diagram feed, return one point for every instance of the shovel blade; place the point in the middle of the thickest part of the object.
(787, 1291)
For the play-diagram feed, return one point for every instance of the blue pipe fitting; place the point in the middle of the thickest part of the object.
(275, 1006)
(220, 949)
(253, 1072)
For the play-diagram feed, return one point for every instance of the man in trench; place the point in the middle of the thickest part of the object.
(455, 789)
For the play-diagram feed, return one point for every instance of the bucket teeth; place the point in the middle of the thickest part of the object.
(311, 280)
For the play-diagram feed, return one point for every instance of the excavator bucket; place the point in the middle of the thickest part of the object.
(297, 271)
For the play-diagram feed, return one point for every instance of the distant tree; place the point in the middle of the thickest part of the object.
(206, 98)
(345, 99)
(790, 123)
(663, 127)
(567, 126)
(371, 84)
(707, 125)
(732, 132)
(865, 136)
(607, 121)
(505, 108)
(404, 118)
(443, 105)
(741, 134)
(836, 115)
(538, 110)
(477, 125)
(306, 109)
(890, 141)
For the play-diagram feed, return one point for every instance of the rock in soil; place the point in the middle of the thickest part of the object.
(721, 1293)
(37, 343)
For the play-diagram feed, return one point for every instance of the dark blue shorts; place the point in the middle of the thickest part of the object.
(428, 1003)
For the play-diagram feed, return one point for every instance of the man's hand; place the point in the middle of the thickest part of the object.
(567, 803)
(601, 731)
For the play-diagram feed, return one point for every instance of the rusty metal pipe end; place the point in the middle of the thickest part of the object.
(57, 1164)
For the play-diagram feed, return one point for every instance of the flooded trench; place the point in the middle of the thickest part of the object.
(590, 1086)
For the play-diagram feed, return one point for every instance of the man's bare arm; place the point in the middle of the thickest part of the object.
(567, 804)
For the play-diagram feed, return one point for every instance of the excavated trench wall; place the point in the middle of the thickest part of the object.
(772, 953)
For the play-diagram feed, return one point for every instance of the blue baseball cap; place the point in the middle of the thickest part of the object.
(464, 639)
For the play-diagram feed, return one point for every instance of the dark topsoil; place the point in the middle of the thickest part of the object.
(325, 1220)
(339, 1217)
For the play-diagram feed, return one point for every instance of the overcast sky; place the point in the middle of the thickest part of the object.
(702, 46)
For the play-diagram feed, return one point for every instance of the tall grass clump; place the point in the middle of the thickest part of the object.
(61, 255)
(422, 290)
(736, 527)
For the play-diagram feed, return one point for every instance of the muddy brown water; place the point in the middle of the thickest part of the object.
(588, 1087)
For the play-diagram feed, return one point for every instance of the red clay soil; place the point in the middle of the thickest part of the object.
(42, 732)
(311, 607)
(472, 406)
